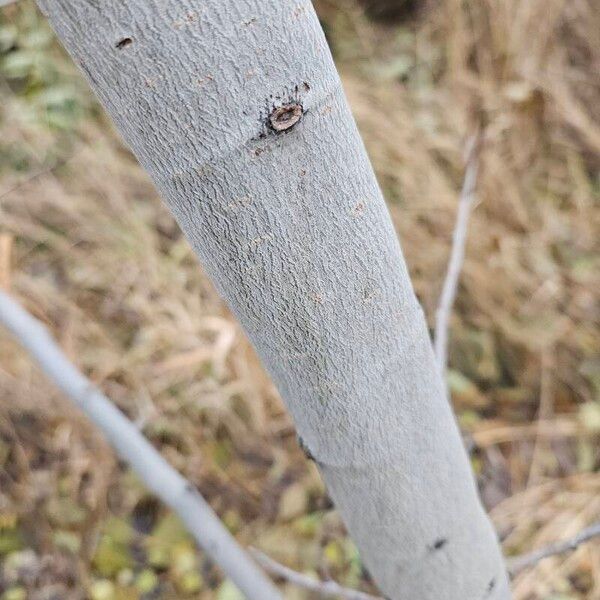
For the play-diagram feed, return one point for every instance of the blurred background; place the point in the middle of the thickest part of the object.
(88, 248)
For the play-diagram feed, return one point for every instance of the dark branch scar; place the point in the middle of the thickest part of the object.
(438, 544)
(123, 43)
(285, 117)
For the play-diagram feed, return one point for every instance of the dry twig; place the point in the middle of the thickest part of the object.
(457, 254)
(325, 589)
(459, 237)
(173, 489)
(519, 563)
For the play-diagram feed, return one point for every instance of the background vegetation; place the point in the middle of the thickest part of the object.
(87, 246)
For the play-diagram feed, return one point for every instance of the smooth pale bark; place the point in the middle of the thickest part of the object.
(283, 209)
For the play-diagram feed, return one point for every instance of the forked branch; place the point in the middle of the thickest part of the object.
(519, 563)
(325, 589)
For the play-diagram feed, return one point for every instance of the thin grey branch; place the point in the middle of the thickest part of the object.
(457, 254)
(519, 563)
(326, 589)
(175, 491)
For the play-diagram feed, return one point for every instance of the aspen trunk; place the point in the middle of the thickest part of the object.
(236, 110)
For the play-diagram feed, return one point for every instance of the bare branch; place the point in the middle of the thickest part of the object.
(519, 563)
(326, 589)
(457, 254)
(175, 491)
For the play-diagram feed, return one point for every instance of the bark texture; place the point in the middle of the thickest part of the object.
(236, 110)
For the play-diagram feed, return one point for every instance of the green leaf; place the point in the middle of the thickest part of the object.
(146, 581)
(67, 540)
(8, 37)
(18, 64)
(102, 589)
(65, 512)
(37, 38)
(113, 553)
(228, 591)
(15, 593)
(164, 539)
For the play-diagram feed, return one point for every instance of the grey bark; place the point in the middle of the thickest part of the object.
(236, 110)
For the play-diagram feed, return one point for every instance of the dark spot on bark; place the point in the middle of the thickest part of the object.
(491, 585)
(369, 294)
(306, 86)
(123, 43)
(438, 544)
(285, 117)
(358, 209)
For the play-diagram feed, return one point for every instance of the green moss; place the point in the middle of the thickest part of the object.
(164, 539)
(113, 553)
(146, 581)
(14, 593)
(10, 541)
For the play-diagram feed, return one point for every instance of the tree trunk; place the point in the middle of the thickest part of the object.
(236, 110)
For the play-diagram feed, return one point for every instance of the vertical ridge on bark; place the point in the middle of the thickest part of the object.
(236, 110)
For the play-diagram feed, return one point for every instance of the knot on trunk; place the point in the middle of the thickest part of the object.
(285, 117)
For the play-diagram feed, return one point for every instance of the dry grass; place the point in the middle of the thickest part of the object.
(88, 248)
